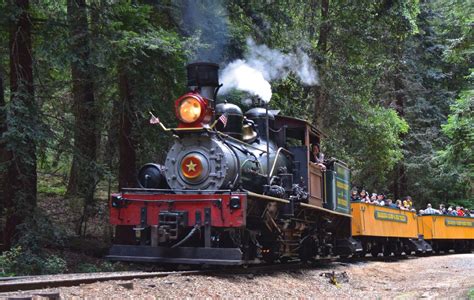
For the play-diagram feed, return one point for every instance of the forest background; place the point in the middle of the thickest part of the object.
(77, 79)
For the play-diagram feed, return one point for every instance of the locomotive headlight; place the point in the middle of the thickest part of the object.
(189, 110)
(193, 110)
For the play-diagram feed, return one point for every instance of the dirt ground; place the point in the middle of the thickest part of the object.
(447, 276)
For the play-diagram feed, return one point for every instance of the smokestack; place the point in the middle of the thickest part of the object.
(204, 77)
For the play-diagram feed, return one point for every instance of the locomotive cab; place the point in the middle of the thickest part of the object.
(297, 136)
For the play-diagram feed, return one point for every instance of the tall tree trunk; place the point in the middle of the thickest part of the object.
(127, 155)
(21, 201)
(5, 157)
(400, 185)
(82, 179)
(319, 92)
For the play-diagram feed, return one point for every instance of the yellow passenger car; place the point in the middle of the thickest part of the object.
(446, 233)
(386, 230)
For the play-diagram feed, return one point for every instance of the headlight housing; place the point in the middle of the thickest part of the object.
(190, 110)
(193, 110)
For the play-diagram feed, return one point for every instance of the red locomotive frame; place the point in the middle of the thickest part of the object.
(226, 210)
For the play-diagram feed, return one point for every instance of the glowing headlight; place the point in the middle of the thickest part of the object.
(189, 110)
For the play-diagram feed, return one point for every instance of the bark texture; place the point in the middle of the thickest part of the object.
(320, 94)
(127, 155)
(82, 178)
(20, 191)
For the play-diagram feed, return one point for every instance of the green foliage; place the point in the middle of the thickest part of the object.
(8, 261)
(53, 265)
(38, 233)
(379, 150)
(103, 267)
(460, 131)
(30, 255)
(51, 185)
(87, 268)
(457, 158)
(18, 261)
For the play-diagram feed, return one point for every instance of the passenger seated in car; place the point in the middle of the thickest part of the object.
(355, 196)
(381, 199)
(364, 197)
(459, 211)
(430, 210)
(467, 213)
(408, 203)
(399, 204)
(452, 212)
(317, 156)
(390, 203)
(405, 205)
(373, 198)
(442, 209)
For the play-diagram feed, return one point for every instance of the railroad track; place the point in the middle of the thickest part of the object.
(29, 283)
(25, 283)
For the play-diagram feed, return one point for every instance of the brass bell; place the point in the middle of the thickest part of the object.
(249, 135)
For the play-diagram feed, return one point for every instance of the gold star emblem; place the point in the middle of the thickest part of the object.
(191, 166)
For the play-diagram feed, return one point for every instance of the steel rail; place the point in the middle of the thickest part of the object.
(21, 283)
(14, 284)
(37, 282)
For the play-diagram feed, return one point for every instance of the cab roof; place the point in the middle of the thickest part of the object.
(296, 127)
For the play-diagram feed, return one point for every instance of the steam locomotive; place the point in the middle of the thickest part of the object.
(240, 188)
(235, 188)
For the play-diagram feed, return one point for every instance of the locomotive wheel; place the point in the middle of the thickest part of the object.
(398, 252)
(269, 257)
(375, 250)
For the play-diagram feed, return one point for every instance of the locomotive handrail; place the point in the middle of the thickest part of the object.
(181, 129)
(325, 209)
(239, 141)
(149, 190)
(171, 200)
(276, 159)
(266, 197)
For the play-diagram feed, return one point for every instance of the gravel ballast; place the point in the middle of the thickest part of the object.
(446, 276)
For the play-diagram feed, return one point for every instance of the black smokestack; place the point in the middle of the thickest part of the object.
(204, 77)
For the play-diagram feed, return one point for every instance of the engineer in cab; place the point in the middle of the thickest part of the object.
(317, 157)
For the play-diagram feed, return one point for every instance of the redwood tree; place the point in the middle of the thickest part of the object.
(22, 132)
(320, 96)
(5, 157)
(127, 155)
(82, 179)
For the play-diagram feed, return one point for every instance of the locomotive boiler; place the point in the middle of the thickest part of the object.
(235, 188)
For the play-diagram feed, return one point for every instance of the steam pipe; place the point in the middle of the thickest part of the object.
(268, 142)
(187, 237)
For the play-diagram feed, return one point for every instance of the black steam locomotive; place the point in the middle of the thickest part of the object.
(235, 189)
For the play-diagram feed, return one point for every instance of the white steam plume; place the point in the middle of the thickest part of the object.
(261, 65)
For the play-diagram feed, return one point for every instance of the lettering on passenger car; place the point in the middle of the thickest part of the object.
(461, 223)
(387, 216)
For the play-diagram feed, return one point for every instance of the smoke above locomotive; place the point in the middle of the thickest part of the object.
(261, 65)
